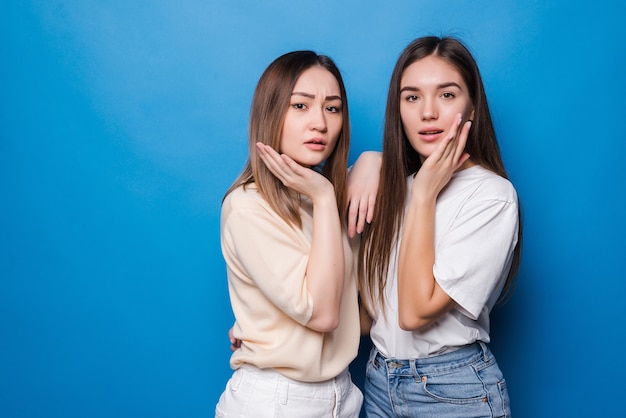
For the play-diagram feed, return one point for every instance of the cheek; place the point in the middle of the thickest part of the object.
(335, 129)
(408, 118)
(469, 112)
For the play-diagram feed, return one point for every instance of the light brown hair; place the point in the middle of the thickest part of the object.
(268, 109)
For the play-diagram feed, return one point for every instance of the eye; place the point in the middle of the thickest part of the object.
(333, 109)
(448, 95)
(411, 98)
(298, 106)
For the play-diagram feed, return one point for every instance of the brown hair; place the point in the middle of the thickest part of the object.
(268, 109)
(400, 160)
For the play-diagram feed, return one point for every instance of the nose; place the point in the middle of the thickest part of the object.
(318, 120)
(429, 109)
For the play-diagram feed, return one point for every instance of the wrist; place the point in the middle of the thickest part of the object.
(325, 199)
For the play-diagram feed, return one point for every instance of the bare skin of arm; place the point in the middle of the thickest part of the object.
(363, 182)
(420, 299)
(325, 269)
(365, 319)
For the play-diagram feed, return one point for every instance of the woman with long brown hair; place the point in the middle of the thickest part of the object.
(444, 243)
(289, 263)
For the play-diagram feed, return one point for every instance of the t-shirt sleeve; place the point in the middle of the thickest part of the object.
(264, 250)
(470, 257)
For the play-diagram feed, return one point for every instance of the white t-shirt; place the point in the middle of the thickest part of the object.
(476, 224)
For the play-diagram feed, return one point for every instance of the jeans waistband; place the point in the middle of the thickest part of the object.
(464, 355)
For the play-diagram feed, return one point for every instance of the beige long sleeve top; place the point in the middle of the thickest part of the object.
(266, 260)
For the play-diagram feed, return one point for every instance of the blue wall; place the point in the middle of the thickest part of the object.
(123, 122)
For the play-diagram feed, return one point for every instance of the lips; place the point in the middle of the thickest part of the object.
(316, 141)
(430, 134)
(316, 144)
(430, 131)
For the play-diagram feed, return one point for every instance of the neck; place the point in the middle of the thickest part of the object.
(467, 164)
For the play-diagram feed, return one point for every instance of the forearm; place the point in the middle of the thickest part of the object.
(325, 270)
(420, 299)
(363, 181)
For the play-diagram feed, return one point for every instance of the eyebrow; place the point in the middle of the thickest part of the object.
(439, 86)
(312, 96)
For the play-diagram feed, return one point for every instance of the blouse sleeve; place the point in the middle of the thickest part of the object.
(264, 251)
(473, 256)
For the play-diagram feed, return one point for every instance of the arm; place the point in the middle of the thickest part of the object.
(420, 299)
(365, 319)
(363, 180)
(325, 269)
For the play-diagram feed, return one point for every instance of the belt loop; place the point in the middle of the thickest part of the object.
(283, 391)
(413, 368)
(485, 350)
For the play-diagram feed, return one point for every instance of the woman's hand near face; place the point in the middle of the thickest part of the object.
(325, 267)
(437, 170)
(420, 299)
(294, 176)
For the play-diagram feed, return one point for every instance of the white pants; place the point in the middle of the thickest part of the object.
(258, 393)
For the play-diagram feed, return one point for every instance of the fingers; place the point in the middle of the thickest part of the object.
(235, 345)
(360, 211)
(272, 160)
(452, 148)
(234, 342)
(353, 218)
(453, 139)
(283, 167)
(371, 202)
(460, 155)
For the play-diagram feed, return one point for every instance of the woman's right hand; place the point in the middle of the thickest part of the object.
(437, 170)
(325, 271)
(363, 180)
(294, 176)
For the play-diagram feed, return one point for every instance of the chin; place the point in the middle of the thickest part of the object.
(424, 152)
(309, 162)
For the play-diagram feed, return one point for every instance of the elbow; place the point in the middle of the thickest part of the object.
(331, 324)
(324, 323)
(412, 322)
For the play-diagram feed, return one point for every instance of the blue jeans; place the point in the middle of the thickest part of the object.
(461, 384)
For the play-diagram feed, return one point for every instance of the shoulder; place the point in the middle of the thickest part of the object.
(245, 202)
(243, 197)
(489, 185)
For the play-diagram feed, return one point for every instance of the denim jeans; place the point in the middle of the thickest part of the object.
(258, 393)
(461, 384)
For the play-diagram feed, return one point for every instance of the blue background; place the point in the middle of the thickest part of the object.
(123, 123)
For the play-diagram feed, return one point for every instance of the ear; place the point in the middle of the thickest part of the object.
(471, 116)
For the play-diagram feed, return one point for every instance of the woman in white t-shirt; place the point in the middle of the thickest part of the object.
(289, 262)
(444, 244)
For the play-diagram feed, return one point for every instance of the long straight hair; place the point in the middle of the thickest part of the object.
(267, 115)
(401, 160)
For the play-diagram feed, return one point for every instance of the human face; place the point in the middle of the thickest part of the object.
(314, 119)
(432, 95)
